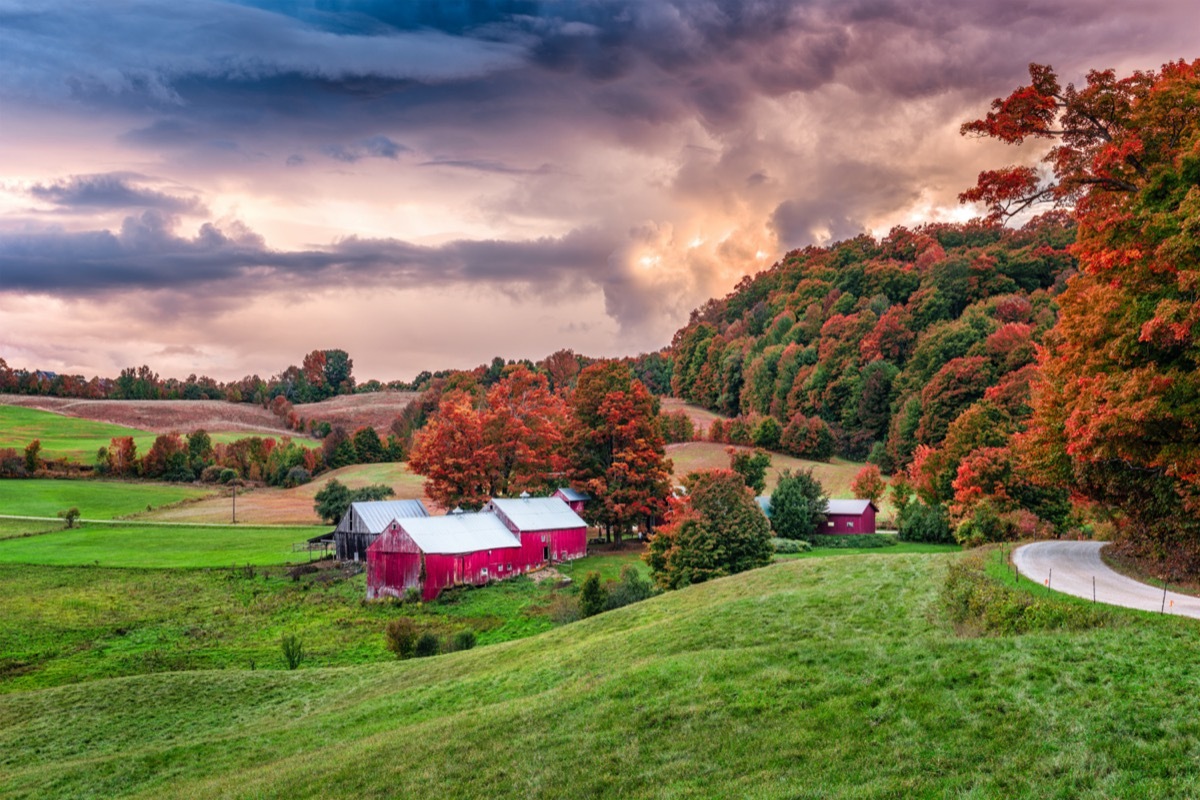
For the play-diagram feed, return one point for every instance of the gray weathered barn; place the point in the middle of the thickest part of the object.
(363, 523)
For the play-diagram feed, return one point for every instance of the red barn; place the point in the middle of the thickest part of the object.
(432, 553)
(549, 530)
(850, 517)
(575, 500)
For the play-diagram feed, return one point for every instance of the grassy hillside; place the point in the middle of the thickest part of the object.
(94, 499)
(61, 437)
(815, 678)
(149, 545)
(78, 439)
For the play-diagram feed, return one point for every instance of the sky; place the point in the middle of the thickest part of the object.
(218, 188)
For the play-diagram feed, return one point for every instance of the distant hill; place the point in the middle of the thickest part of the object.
(884, 343)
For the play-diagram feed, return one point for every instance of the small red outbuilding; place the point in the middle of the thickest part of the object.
(850, 517)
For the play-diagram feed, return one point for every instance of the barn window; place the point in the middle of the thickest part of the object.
(508, 566)
(830, 524)
(850, 525)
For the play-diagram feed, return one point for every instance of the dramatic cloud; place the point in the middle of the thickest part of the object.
(575, 171)
(112, 191)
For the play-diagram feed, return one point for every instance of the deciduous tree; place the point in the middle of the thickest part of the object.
(1117, 408)
(616, 450)
(715, 529)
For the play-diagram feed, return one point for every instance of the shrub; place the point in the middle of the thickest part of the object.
(296, 476)
(767, 433)
(918, 522)
(592, 597)
(853, 540)
(978, 603)
(293, 650)
(210, 474)
(400, 635)
(228, 475)
(427, 645)
(676, 426)
(463, 640)
(806, 437)
(790, 545)
(412, 596)
(71, 516)
(631, 588)
(564, 608)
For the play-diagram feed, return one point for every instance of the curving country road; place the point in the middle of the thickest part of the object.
(1075, 564)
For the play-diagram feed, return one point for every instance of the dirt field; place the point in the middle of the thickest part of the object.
(268, 506)
(159, 416)
(377, 409)
(351, 411)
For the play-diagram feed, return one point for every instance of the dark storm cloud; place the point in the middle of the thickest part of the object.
(147, 253)
(490, 87)
(115, 190)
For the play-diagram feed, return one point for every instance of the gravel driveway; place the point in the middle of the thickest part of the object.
(1075, 564)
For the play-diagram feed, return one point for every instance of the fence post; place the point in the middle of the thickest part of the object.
(1093, 589)
(1163, 610)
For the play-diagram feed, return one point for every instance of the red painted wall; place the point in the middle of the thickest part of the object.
(567, 544)
(850, 523)
(442, 571)
(393, 564)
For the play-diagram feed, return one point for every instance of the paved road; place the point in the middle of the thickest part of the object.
(1075, 564)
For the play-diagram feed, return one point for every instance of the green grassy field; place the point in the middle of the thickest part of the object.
(78, 439)
(61, 436)
(813, 678)
(94, 499)
(152, 545)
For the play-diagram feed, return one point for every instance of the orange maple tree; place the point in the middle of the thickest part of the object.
(1117, 406)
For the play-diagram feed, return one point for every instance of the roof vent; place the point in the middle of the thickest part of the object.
(457, 510)
(524, 495)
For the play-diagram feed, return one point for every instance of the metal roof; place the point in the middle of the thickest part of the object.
(573, 496)
(854, 507)
(538, 513)
(459, 533)
(764, 502)
(376, 515)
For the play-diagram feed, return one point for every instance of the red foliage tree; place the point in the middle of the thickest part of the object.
(448, 452)
(868, 484)
(616, 450)
(1117, 409)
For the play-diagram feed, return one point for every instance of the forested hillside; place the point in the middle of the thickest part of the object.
(884, 344)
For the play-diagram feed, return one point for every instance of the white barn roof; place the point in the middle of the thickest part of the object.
(459, 533)
(854, 507)
(538, 513)
(573, 496)
(375, 515)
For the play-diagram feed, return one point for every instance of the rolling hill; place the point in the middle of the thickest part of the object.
(816, 678)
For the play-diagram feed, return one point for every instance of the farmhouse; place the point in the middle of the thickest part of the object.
(549, 530)
(363, 523)
(432, 553)
(850, 516)
(575, 500)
